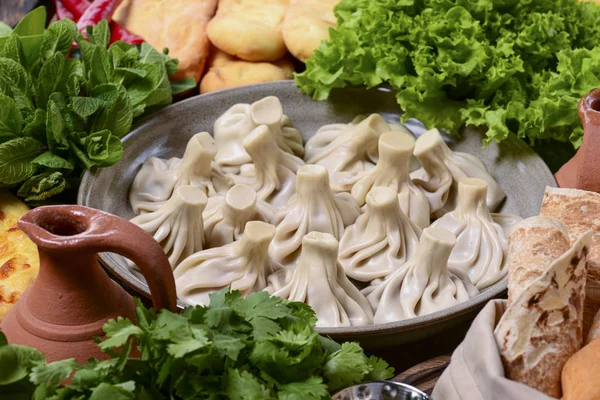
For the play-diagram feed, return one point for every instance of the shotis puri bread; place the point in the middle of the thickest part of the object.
(179, 25)
(249, 29)
(225, 71)
(306, 25)
(581, 372)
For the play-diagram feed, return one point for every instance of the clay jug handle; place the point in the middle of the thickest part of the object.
(79, 228)
(135, 244)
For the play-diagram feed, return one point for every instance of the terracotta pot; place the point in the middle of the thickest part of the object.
(583, 170)
(72, 297)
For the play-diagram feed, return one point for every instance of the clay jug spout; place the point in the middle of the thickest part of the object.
(72, 297)
(583, 170)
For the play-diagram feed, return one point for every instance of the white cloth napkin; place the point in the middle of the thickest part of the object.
(475, 371)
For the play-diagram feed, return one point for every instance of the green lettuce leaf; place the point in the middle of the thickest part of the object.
(508, 66)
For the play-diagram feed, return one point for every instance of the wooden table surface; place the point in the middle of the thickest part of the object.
(403, 358)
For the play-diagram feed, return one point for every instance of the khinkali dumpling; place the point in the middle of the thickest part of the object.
(423, 285)
(443, 168)
(157, 179)
(481, 244)
(352, 150)
(313, 208)
(392, 170)
(319, 281)
(381, 240)
(238, 121)
(244, 265)
(177, 225)
(273, 174)
(224, 222)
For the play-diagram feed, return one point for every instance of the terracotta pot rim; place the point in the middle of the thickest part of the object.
(590, 103)
(63, 227)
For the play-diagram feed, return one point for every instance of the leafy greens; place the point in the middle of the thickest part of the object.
(255, 348)
(509, 65)
(64, 110)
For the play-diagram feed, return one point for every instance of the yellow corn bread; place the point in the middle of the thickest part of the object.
(306, 25)
(179, 25)
(19, 262)
(225, 71)
(249, 29)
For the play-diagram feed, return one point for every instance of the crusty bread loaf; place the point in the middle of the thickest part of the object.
(532, 246)
(225, 71)
(306, 25)
(581, 374)
(542, 328)
(179, 25)
(249, 29)
(580, 211)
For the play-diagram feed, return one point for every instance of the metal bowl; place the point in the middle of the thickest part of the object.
(517, 168)
(381, 390)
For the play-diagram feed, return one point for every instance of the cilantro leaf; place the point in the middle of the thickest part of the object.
(166, 323)
(263, 327)
(118, 332)
(242, 385)
(261, 304)
(53, 373)
(311, 389)
(16, 362)
(106, 391)
(183, 357)
(380, 370)
(228, 345)
(346, 367)
(187, 340)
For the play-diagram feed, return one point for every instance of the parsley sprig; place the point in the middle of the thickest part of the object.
(258, 347)
(64, 108)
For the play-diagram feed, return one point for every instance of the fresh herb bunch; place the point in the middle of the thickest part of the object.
(63, 111)
(509, 65)
(255, 348)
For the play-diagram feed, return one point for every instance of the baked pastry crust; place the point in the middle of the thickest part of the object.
(306, 25)
(249, 29)
(19, 260)
(225, 71)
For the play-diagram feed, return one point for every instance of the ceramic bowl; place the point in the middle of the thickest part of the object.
(517, 168)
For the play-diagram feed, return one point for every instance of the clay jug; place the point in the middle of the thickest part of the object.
(72, 297)
(583, 170)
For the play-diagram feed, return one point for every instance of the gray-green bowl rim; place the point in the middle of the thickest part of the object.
(406, 325)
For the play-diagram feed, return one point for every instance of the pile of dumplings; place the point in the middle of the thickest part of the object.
(340, 223)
